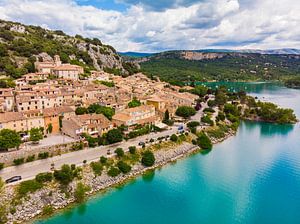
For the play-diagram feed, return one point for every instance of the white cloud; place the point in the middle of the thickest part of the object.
(186, 24)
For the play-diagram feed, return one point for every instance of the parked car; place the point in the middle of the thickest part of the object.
(141, 143)
(13, 179)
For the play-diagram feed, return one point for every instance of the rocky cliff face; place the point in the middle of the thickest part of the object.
(190, 55)
(21, 43)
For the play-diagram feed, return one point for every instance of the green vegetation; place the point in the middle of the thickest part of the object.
(96, 108)
(48, 210)
(80, 192)
(91, 141)
(44, 177)
(292, 82)
(97, 168)
(113, 172)
(66, 174)
(36, 135)
(114, 136)
(15, 47)
(1, 166)
(28, 186)
(206, 119)
(18, 161)
(203, 141)
(134, 103)
(123, 167)
(132, 150)
(43, 155)
(9, 139)
(148, 158)
(174, 138)
(120, 152)
(185, 111)
(172, 68)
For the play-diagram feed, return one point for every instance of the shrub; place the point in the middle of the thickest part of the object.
(132, 149)
(193, 124)
(207, 120)
(185, 111)
(44, 177)
(114, 136)
(30, 158)
(97, 168)
(65, 175)
(103, 160)
(119, 152)
(28, 186)
(78, 146)
(1, 166)
(148, 158)
(48, 210)
(43, 155)
(204, 142)
(80, 192)
(124, 167)
(113, 172)
(18, 161)
(174, 138)
(209, 110)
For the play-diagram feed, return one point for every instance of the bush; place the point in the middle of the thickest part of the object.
(185, 111)
(174, 138)
(43, 155)
(103, 160)
(114, 136)
(48, 210)
(148, 158)
(97, 168)
(119, 152)
(30, 158)
(209, 110)
(1, 166)
(113, 172)
(124, 167)
(204, 142)
(65, 175)
(28, 186)
(78, 146)
(207, 120)
(44, 177)
(80, 192)
(132, 149)
(193, 124)
(18, 161)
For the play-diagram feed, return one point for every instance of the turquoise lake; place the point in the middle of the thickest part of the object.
(253, 177)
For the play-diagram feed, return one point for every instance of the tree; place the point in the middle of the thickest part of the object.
(35, 134)
(174, 138)
(166, 117)
(97, 168)
(50, 128)
(44, 177)
(124, 167)
(119, 152)
(200, 90)
(193, 124)
(81, 110)
(80, 192)
(134, 103)
(113, 172)
(114, 136)
(148, 158)
(185, 111)
(204, 142)
(9, 139)
(132, 149)
(65, 175)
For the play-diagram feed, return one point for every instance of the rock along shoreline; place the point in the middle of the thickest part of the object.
(31, 208)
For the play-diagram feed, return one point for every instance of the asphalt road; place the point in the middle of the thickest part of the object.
(30, 170)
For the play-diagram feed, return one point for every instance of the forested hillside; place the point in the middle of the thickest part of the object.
(181, 66)
(21, 46)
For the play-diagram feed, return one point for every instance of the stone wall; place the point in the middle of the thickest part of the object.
(8, 157)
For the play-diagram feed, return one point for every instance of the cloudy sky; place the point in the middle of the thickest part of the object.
(156, 25)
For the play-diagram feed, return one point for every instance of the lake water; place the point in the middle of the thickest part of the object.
(253, 177)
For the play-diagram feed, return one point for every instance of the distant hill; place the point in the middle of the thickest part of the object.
(178, 67)
(135, 54)
(22, 45)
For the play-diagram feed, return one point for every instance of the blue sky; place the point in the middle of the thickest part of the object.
(158, 25)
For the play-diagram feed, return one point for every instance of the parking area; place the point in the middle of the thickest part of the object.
(51, 140)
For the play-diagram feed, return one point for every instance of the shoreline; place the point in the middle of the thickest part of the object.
(32, 209)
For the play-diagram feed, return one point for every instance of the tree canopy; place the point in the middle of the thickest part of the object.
(185, 111)
(9, 139)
